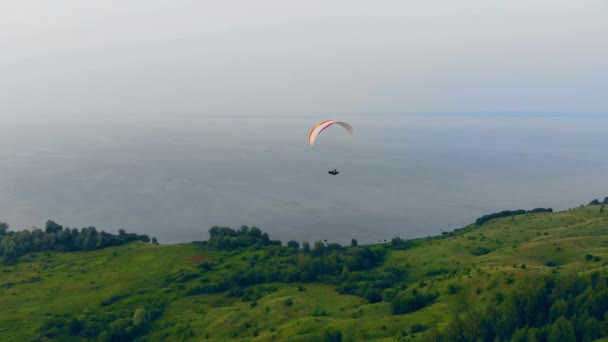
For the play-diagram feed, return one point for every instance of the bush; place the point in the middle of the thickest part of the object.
(452, 289)
(332, 335)
(373, 296)
(416, 328)
(114, 299)
(316, 312)
(479, 250)
(411, 302)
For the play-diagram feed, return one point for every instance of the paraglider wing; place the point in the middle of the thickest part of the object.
(318, 128)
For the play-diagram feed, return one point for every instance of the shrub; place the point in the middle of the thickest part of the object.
(479, 250)
(417, 327)
(452, 289)
(411, 302)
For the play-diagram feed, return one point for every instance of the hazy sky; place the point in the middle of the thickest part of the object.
(87, 59)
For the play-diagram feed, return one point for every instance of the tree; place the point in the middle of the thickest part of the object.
(557, 310)
(332, 335)
(306, 247)
(3, 228)
(293, 244)
(594, 202)
(52, 227)
(74, 326)
(90, 238)
(455, 329)
(9, 250)
(255, 232)
(154, 241)
(141, 319)
(354, 243)
(605, 201)
(373, 296)
(318, 248)
(562, 331)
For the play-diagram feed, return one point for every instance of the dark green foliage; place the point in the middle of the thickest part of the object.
(373, 296)
(452, 289)
(293, 244)
(332, 335)
(562, 331)
(3, 229)
(106, 326)
(404, 303)
(480, 250)
(551, 263)
(57, 238)
(50, 323)
(507, 213)
(363, 283)
(595, 202)
(568, 308)
(417, 328)
(228, 238)
(74, 326)
(437, 271)
(400, 244)
(114, 299)
(327, 263)
(354, 243)
(318, 312)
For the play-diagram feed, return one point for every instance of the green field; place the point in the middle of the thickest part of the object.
(44, 289)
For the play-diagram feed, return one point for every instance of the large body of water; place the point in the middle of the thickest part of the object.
(401, 175)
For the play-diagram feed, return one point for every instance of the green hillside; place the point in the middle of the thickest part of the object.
(403, 290)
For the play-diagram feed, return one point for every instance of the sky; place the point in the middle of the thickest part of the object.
(90, 60)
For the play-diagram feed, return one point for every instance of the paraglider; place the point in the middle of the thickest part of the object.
(320, 127)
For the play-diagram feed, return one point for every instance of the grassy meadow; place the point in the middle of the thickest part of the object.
(468, 269)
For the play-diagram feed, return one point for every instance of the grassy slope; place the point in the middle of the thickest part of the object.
(75, 283)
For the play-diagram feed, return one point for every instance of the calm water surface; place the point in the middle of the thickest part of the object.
(405, 175)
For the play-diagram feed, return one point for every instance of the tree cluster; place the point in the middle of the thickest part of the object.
(597, 202)
(410, 302)
(331, 263)
(506, 213)
(106, 326)
(570, 308)
(57, 238)
(228, 238)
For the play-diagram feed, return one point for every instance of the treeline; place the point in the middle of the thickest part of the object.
(506, 213)
(228, 238)
(351, 269)
(55, 237)
(597, 202)
(570, 308)
(111, 325)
